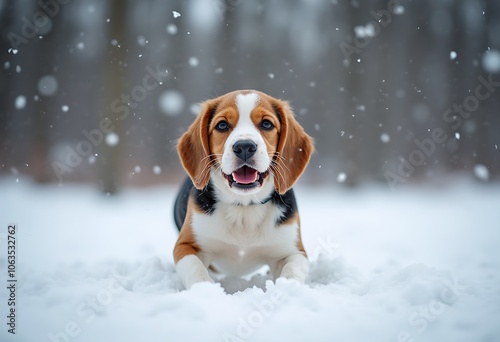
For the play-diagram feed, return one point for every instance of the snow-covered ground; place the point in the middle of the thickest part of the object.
(412, 265)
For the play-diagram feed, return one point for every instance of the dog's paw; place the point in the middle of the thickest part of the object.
(199, 278)
(295, 272)
(192, 271)
(296, 267)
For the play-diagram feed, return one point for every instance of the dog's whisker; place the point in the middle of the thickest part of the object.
(210, 156)
(275, 170)
(281, 166)
(207, 169)
(280, 158)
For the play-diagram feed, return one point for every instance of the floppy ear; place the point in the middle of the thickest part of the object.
(295, 148)
(194, 149)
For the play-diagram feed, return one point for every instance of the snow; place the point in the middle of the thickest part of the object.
(453, 55)
(176, 14)
(47, 85)
(171, 29)
(491, 61)
(385, 138)
(481, 172)
(193, 61)
(420, 263)
(341, 177)
(141, 40)
(457, 135)
(64, 108)
(195, 108)
(398, 10)
(112, 139)
(367, 31)
(20, 102)
(171, 102)
(156, 170)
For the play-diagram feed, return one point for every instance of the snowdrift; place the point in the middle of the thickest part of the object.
(410, 265)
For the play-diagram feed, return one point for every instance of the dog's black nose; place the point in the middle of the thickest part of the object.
(244, 149)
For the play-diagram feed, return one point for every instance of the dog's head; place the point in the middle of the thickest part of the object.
(246, 140)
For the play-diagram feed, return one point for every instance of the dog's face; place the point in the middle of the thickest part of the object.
(245, 141)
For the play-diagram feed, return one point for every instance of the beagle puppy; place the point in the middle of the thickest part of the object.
(236, 211)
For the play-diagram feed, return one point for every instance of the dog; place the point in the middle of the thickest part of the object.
(237, 211)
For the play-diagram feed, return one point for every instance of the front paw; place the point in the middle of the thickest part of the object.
(294, 272)
(192, 271)
(199, 278)
(296, 267)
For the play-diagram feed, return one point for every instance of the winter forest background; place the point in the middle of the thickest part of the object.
(395, 91)
(398, 94)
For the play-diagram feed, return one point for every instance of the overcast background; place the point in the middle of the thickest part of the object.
(397, 92)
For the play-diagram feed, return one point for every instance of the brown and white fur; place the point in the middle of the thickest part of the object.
(237, 210)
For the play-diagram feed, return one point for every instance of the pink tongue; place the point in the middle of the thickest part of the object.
(245, 175)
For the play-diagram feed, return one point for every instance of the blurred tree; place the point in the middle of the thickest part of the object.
(352, 121)
(114, 79)
(6, 106)
(50, 61)
(399, 84)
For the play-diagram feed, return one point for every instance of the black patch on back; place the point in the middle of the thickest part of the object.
(204, 200)
(287, 204)
(180, 206)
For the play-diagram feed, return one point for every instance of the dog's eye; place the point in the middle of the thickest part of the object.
(222, 126)
(266, 125)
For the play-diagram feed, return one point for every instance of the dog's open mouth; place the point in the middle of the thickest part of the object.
(246, 177)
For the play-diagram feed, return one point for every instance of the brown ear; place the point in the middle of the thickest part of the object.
(295, 148)
(194, 149)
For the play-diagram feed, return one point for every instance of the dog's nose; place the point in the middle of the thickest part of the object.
(244, 149)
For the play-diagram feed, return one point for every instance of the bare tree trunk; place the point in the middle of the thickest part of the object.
(115, 77)
(6, 71)
(350, 145)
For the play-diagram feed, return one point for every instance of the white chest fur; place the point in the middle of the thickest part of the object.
(240, 239)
